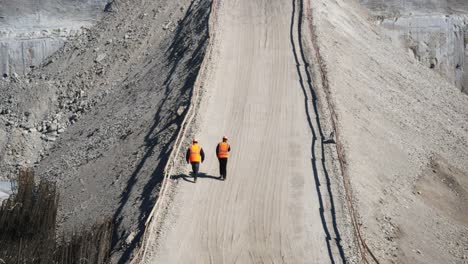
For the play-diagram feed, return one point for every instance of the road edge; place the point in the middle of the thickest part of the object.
(157, 214)
(320, 75)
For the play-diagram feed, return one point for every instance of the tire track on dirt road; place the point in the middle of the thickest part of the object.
(267, 211)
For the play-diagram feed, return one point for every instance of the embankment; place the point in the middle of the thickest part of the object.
(99, 117)
(403, 131)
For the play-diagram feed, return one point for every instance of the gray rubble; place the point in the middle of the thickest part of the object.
(99, 116)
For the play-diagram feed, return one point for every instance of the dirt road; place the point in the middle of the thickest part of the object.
(268, 209)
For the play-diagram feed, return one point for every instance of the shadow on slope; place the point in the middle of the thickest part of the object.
(120, 90)
(182, 59)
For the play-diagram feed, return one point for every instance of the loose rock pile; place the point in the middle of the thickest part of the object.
(99, 116)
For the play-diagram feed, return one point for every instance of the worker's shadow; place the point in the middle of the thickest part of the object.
(189, 178)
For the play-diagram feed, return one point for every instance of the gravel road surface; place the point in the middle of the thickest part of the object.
(267, 211)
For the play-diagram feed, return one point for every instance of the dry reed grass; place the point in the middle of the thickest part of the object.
(28, 222)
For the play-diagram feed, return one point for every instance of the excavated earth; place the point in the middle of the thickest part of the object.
(30, 30)
(404, 130)
(435, 32)
(401, 134)
(100, 115)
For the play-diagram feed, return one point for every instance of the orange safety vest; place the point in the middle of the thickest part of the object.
(223, 150)
(195, 153)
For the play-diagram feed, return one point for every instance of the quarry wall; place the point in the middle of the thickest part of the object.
(435, 32)
(32, 30)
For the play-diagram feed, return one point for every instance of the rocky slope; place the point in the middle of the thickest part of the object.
(99, 116)
(404, 132)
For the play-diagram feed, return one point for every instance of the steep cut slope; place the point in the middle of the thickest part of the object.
(417, 7)
(436, 32)
(104, 112)
(404, 131)
(30, 30)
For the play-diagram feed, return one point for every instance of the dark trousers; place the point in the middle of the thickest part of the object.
(222, 166)
(195, 169)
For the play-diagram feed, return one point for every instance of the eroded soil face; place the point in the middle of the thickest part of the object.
(31, 31)
(99, 117)
(445, 188)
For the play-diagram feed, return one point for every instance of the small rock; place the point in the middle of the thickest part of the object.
(52, 128)
(166, 27)
(50, 61)
(73, 117)
(48, 138)
(180, 110)
(100, 57)
(99, 71)
(130, 238)
(26, 126)
(15, 77)
(110, 7)
(60, 130)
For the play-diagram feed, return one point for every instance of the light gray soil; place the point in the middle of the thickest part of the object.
(417, 7)
(404, 131)
(100, 118)
(275, 205)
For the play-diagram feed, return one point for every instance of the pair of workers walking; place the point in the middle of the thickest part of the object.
(195, 155)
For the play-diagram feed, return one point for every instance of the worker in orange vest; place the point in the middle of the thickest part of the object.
(195, 155)
(222, 151)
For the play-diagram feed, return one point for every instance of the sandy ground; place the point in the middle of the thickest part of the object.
(404, 130)
(268, 208)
